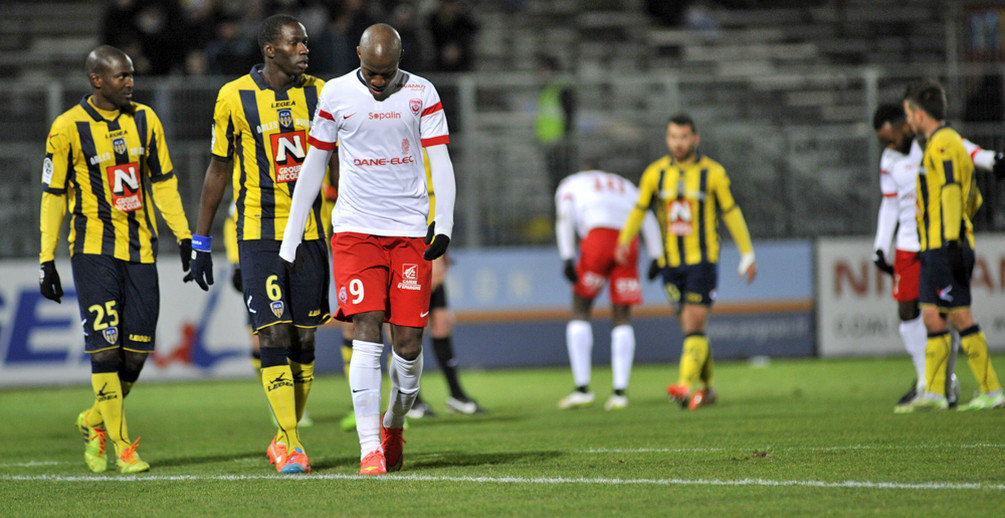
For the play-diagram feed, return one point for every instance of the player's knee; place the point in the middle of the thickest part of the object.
(408, 345)
(302, 350)
(908, 311)
(132, 365)
(278, 336)
(108, 360)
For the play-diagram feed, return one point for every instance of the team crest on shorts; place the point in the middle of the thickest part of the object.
(277, 308)
(111, 335)
(342, 298)
(409, 277)
(415, 105)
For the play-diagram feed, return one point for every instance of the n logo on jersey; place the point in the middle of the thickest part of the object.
(415, 105)
(124, 181)
(285, 118)
(288, 152)
(679, 217)
(119, 145)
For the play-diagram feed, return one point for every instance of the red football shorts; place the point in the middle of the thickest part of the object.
(906, 275)
(596, 265)
(380, 273)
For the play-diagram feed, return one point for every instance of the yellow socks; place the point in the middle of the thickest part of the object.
(975, 345)
(693, 359)
(108, 393)
(936, 356)
(303, 378)
(279, 389)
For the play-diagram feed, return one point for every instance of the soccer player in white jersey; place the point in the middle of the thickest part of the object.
(594, 205)
(899, 166)
(380, 119)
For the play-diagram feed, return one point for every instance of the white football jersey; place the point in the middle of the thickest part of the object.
(382, 179)
(898, 180)
(596, 199)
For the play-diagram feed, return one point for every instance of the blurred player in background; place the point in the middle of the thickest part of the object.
(381, 119)
(946, 190)
(593, 205)
(441, 329)
(108, 159)
(259, 143)
(689, 192)
(898, 179)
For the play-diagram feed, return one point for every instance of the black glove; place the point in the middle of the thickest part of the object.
(235, 279)
(954, 254)
(296, 266)
(654, 269)
(48, 281)
(879, 259)
(185, 249)
(202, 262)
(999, 167)
(570, 271)
(437, 243)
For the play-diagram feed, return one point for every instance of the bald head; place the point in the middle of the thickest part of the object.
(380, 44)
(104, 58)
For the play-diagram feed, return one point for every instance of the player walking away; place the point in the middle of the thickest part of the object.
(593, 205)
(896, 221)
(108, 159)
(381, 119)
(259, 142)
(689, 191)
(441, 328)
(946, 191)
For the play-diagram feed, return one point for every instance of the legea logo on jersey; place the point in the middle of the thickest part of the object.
(288, 152)
(409, 277)
(124, 181)
(415, 105)
(679, 217)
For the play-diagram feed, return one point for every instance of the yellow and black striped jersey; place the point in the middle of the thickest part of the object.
(113, 167)
(947, 191)
(688, 200)
(264, 132)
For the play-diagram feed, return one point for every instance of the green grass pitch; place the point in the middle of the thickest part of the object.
(794, 437)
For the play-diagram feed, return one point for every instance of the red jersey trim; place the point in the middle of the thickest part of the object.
(320, 144)
(434, 141)
(434, 108)
(325, 115)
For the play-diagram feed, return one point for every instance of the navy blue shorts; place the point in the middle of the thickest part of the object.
(691, 283)
(119, 302)
(274, 295)
(938, 287)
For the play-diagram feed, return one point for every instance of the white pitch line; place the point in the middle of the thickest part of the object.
(792, 448)
(846, 484)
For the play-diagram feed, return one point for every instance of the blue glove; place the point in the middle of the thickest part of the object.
(201, 268)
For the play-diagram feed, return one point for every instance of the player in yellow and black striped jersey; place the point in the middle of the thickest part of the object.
(260, 129)
(947, 197)
(107, 159)
(689, 192)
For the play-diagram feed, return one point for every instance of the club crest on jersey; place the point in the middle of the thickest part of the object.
(277, 308)
(285, 118)
(415, 105)
(404, 146)
(111, 335)
(409, 277)
(119, 145)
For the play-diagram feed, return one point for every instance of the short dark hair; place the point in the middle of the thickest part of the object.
(683, 119)
(928, 95)
(272, 29)
(888, 112)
